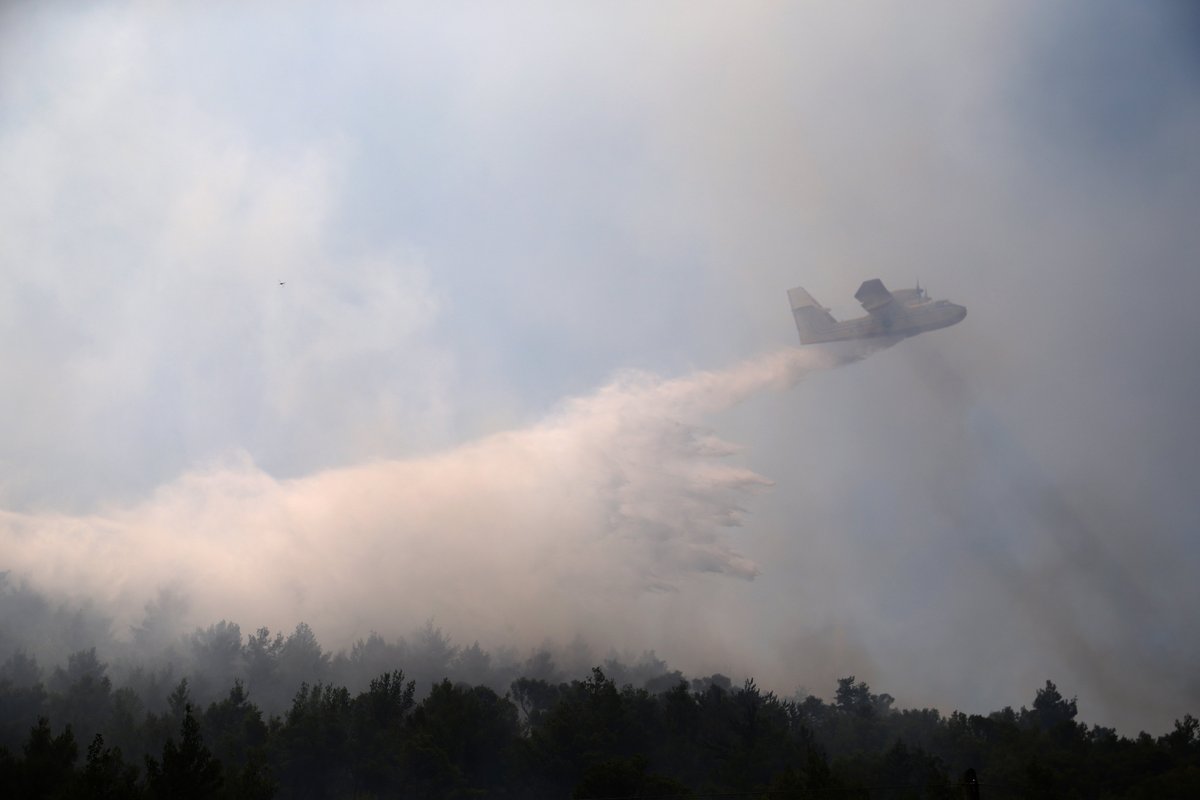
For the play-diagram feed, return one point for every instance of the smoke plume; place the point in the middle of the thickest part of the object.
(566, 528)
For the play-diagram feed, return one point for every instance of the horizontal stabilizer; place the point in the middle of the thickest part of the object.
(873, 295)
(811, 318)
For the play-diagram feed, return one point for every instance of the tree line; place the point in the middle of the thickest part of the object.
(617, 732)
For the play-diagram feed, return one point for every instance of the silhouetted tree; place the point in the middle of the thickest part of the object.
(313, 746)
(377, 732)
(217, 658)
(188, 770)
(856, 698)
(81, 694)
(106, 774)
(238, 738)
(1051, 709)
(22, 698)
(48, 767)
(473, 728)
(261, 658)
(301, 659)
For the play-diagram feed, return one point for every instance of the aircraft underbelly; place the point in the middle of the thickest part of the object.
(894, 327)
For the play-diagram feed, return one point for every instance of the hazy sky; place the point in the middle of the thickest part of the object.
(532, 371)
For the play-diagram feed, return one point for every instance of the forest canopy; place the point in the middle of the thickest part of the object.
(219, 713)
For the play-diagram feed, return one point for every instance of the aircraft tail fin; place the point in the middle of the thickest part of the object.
(812, 319)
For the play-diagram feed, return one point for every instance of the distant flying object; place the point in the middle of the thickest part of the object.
(898, 314)
(281, 283)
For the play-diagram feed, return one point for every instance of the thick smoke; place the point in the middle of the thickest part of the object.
(566, 528)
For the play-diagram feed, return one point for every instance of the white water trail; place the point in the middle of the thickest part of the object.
(546, 531)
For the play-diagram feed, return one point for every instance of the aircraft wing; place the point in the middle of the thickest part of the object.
(874, 296)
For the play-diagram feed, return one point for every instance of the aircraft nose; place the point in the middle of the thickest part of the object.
(962, 313)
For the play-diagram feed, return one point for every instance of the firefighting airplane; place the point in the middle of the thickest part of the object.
(896, 315)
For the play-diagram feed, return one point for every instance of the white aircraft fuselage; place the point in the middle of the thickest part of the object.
(898, 314)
